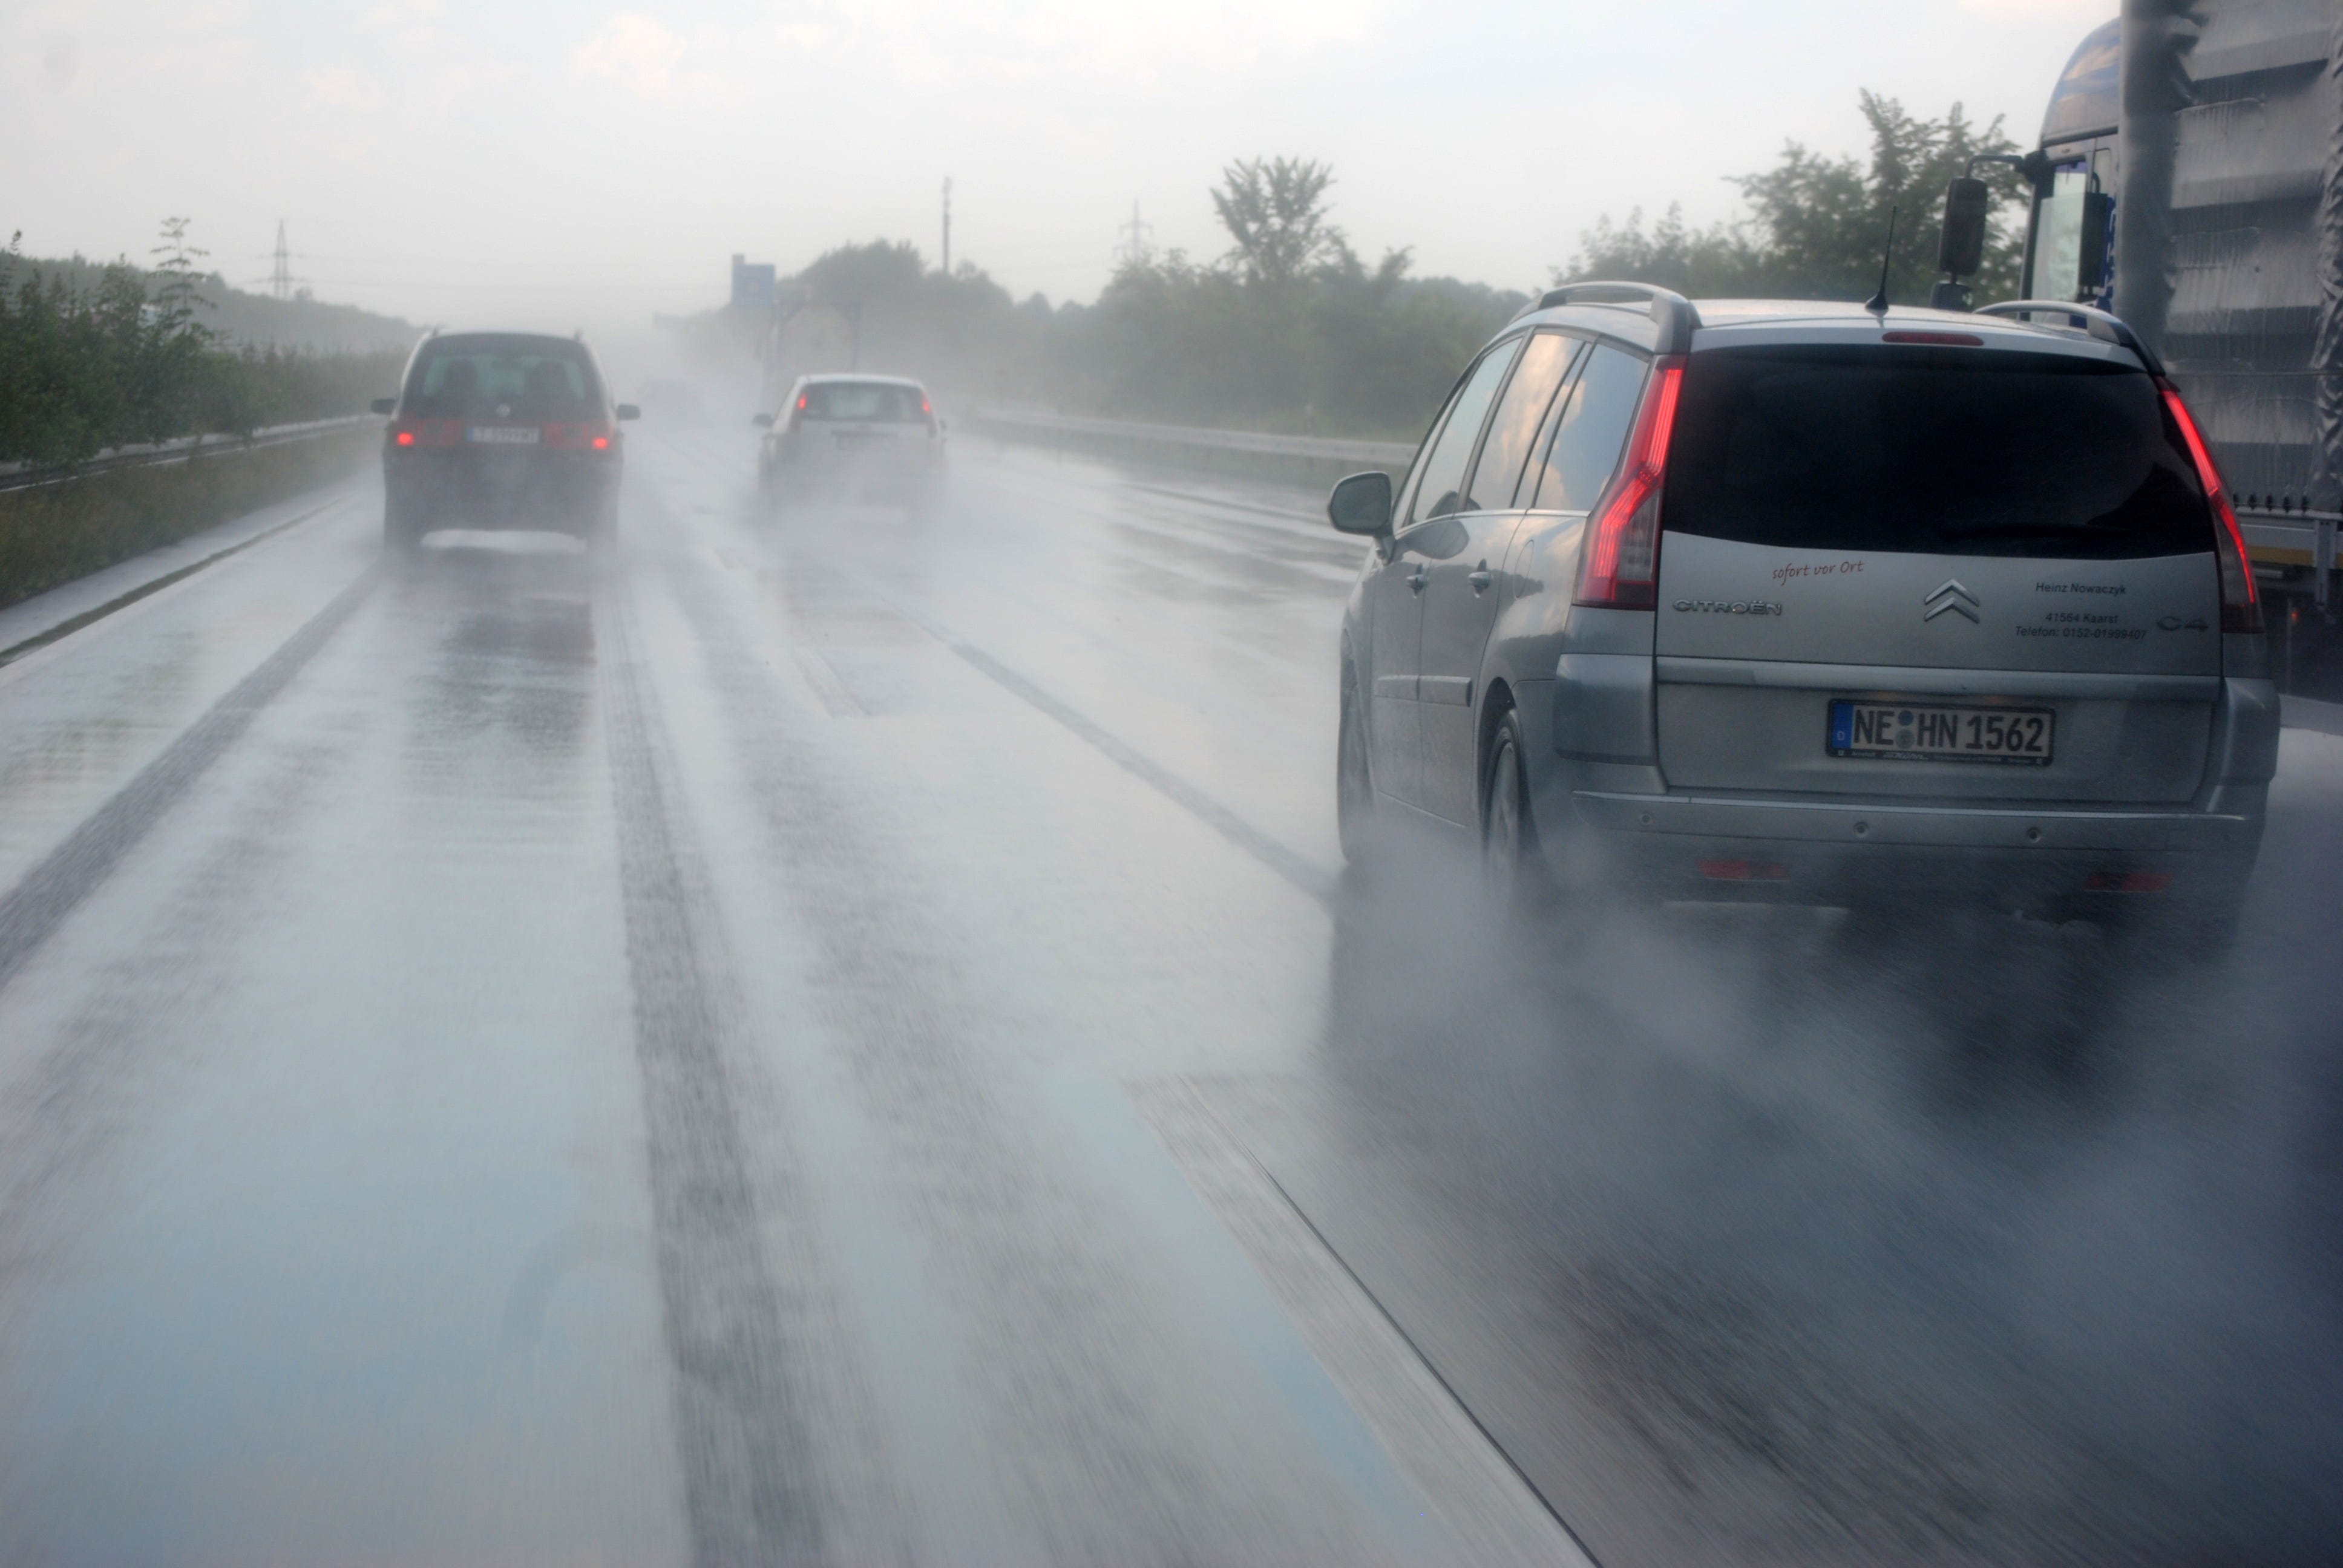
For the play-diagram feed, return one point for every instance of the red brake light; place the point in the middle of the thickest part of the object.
(594, 435)
(801, 403)
(1619, 563)
(1941, 339)
(405, 437)
(924, 408)
(2241, 599)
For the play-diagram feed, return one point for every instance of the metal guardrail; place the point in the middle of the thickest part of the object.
(27, 476)
(1394, 455)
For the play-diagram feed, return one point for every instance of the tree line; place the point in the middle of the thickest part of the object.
(126, 357)
(1291, 329)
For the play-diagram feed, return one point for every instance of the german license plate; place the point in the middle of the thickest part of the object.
(1910, 732)
(506, 434)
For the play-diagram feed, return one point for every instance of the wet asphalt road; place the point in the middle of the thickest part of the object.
(847, 1040)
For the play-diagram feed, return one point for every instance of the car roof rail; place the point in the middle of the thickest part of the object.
(1677, 320)
(2103, 325)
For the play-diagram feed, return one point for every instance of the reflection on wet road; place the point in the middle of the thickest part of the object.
(846, 1038)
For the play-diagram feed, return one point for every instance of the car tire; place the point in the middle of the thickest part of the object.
(1355, 786)
(1512, 866)
(401, 535)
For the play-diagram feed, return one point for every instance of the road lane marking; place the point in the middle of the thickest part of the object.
(1496, 1514)
(1296, 871)
(746, 1451)
(835, 700)
(40, 902)
(1222, 1289)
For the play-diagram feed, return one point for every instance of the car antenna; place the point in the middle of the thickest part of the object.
(1877, 303)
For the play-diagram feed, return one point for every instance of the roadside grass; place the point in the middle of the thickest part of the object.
(51, 534)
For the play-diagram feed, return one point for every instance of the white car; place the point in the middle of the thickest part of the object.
(839, 431)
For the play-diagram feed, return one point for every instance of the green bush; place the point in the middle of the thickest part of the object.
(124, 360)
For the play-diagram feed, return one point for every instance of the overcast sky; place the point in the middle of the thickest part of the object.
(559, 164)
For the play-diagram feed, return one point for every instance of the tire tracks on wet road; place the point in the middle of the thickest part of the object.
(751, 1493)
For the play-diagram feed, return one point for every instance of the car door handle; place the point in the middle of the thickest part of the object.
(1479, 578)
(1416, 580)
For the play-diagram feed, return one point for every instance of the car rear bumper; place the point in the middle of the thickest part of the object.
(826, 455)
(1692, 845)
(462, 489)
(1858, 824)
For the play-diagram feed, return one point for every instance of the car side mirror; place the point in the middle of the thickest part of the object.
(762, 421)
(1361, 504)
(384, 406)
(1960, 251)
(2098, 217)
(627, 411)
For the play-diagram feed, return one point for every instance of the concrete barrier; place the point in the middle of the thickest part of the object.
(27, 476)
(67, 527)
(1304, 459)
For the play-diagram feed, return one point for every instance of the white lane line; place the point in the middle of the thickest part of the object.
(835, 700)
(1495, 1515)
(48, 894)
(1295, 868)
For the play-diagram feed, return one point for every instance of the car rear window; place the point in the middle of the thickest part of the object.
(879, 402)
(503, 378)
(1930, 450)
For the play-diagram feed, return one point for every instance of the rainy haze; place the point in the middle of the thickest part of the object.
(819, 783)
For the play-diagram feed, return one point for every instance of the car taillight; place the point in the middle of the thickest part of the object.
(426, 433)
(1619, 563)
(593, 436)
(404, 437)
(2241, 601)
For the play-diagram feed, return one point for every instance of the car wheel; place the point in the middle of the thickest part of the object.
(401, 533)
(1512, 868)
(1355, 787)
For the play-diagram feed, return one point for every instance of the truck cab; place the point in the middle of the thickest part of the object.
(2193, 212)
